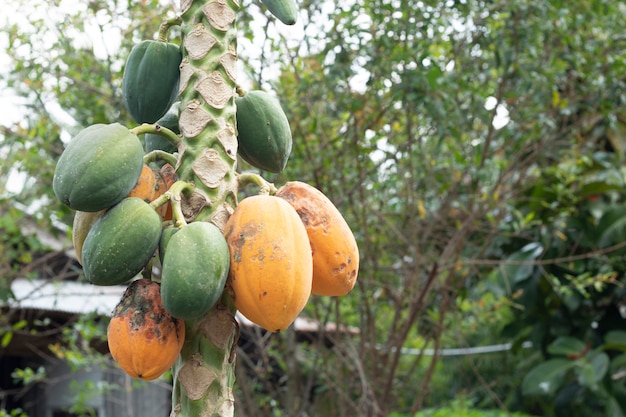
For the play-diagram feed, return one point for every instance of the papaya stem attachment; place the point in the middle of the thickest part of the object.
(240, 91)
(159, 155)
(165, 27)
(174, 194)
(156, 129)
(265, 187)
(147, 270)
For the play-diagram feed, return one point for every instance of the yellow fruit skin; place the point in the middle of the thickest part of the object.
(271, 267)
(335, 251)
(83, 220)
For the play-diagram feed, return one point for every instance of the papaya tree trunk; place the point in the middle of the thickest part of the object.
(204, 374)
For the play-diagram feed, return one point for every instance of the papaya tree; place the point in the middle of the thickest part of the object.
(262, 256)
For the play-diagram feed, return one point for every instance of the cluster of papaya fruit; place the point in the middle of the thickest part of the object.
(274, 251)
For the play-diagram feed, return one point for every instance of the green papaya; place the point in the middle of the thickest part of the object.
(195, 268)
(98, 168)
(155, 142)
(121, 242)
(285, 10)
(263, 131)
(151, 79)
(168, 231)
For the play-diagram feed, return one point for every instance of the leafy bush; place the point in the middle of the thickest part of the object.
(455, 412)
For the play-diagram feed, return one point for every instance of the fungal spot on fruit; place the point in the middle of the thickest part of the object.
(304, 216)
(219, 14)
(339, 269)
(237, 243)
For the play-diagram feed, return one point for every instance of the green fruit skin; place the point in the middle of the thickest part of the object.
(263, 131)
(195, 268)
(285, 10)
(166, 235)
(98, 168)
(151, 79)
(121, 242)
(155, 142)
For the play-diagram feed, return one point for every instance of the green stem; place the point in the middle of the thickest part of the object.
(240, 91)
(156, 129)
(174, 194)
(249, 178)
(159, 155)
(165, 27)
(203, 377)
(147, 270)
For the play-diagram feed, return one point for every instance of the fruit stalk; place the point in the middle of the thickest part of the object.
(204, 373)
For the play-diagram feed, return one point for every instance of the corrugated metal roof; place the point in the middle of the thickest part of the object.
(81, 298)
(65, 296)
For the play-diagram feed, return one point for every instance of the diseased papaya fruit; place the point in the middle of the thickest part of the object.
(263, 131)
(121, 242)
(271, 266)
(195, 267)
(144, 339)
(334, 248)
(285, 10)
(155, 142)
(98, 168)
(83, 221)
(151, 79)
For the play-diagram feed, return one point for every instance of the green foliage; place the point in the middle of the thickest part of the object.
(28, 375)
(461, 407)
(454, 412)
(462, 142)
(16, 412)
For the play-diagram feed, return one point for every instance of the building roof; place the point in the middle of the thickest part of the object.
(64, 296)
(82, 298)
